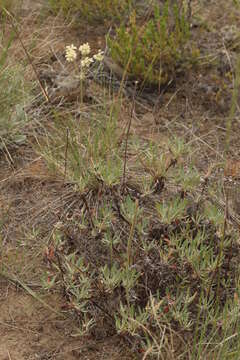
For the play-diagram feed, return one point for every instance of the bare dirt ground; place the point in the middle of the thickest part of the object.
(31, 200)
(30, 331)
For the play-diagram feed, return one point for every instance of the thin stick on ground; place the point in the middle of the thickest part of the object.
(9, 356)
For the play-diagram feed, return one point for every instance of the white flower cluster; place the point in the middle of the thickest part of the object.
(84, 49)
(71, 53)
(99, 56)
(86, 62)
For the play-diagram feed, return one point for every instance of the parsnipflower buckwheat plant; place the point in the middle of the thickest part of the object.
(84, 49)
(85, 60)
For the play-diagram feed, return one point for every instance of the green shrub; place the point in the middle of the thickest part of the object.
(153, 51)
(157, 271)
(99, 10)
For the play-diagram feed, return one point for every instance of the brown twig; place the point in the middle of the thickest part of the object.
(9, 356)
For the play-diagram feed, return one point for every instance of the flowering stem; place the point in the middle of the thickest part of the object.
(81, 87)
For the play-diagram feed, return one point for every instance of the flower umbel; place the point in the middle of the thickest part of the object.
(85, 49)
(71, 53)
(86, 62)
(99, 56)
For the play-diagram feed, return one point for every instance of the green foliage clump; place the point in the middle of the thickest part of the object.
(12, 100)
(99, 10)
(92, 154)
(145, 260)
(152, 52)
